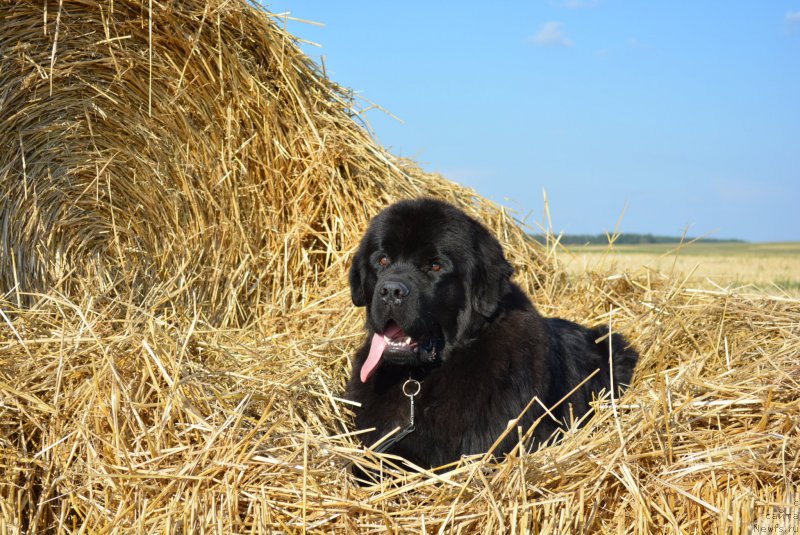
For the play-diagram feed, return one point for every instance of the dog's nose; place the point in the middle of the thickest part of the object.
(393, 291)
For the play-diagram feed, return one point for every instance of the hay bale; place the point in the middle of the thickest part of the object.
(181, 189)
(184, 156)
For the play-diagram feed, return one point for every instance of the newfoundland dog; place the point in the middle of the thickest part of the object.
(455, 349)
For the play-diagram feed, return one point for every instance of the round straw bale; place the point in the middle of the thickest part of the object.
(184, 154)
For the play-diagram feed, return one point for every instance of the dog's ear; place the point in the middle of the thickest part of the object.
(491, 277)
(356, 281)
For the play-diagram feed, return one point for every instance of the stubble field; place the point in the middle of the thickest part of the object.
(770, 268)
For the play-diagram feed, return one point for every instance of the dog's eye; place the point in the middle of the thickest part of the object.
(383, 261)
(436, 266)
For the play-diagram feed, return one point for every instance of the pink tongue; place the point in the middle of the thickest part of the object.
(379, 343)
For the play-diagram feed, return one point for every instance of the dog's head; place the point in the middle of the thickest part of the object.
(428, 275)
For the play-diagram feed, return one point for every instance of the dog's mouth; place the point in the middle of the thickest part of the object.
(395, 346)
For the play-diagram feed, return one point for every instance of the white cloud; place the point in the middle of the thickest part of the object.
(793, 17)
(637, 44)
(551, 34)
(579, 4)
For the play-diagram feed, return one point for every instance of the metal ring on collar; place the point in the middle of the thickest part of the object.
(413, 383)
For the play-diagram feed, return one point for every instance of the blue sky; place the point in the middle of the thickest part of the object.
(679, 113)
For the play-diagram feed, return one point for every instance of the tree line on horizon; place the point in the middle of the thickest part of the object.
(628, 238)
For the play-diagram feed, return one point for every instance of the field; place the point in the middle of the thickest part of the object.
(771, 268)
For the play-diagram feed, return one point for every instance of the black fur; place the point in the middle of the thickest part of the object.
(483, 350)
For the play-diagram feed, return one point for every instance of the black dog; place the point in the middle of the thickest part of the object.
(447, 325)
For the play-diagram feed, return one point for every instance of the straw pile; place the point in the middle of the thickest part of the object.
(181, 192)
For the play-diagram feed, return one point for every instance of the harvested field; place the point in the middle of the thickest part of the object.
(181, 193)
(772, 268)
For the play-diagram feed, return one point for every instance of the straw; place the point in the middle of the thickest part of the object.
(182, 191)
